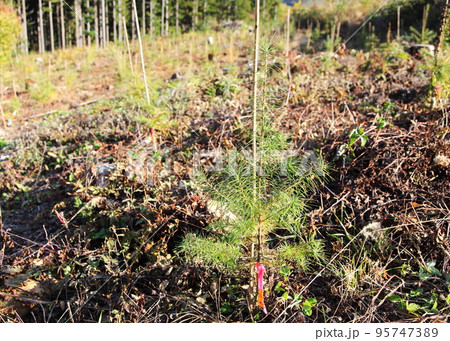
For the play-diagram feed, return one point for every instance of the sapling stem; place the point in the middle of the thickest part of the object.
(288, 67)
(1, 101)
(128, 44)
(142, 52)
(255, 98)
(253, 290)
(441, 33)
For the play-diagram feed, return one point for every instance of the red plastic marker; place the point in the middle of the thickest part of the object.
(261, 270)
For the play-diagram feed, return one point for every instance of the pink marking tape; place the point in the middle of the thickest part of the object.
(261, 270)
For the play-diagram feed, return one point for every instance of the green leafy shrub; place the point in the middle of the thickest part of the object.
(9, 32)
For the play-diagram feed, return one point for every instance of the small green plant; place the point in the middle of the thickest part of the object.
(405, 301)
(296, 299)
(382, 122)
(3, 144)
(308, 305)
(355, 135)
(222, 87)
(429, 271)
(260, 199)
(277, 213)
(426, 36)
(332, 44)
(371, 41)
(44, 91)
(420, 301)
(390, 109)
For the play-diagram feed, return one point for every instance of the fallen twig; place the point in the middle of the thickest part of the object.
(25, 299)
(73, 106)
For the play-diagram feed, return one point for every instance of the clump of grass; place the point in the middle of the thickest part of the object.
(43, 91)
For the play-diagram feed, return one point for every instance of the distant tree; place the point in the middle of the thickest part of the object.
(50, 19)
(195, 22)
(163, 2)
(177, 18)
(9, 35)
(119, 19)
(9, 32)
(143, 24)
(78, 24)
(62, 23)
(205, 5)
(133, 22)
(41, 39)
(152, 23)
(167, 18)
(23, 14)
(88, 23)
(103, 29)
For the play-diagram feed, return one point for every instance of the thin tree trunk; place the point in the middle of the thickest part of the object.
(96, 24)
(177, 18)
(142, 52)
(162, 17)
(253, 289)
(62, 23)
(82, 28)
(78, 34)
(41, 29)
(441, 34)
(143, 17)
(103, 24)
(133, 22)
(151, 19)
(107, 22)
(195, 14)
(114, 21)
(88, 25)
(128, 44)
(338, 30)
(288, 67)
(398, 21)
(204, 13)
(167, 18)
(58, 25)
(1, 101)
(50, 15)
(288, 28)
(24, 27)
(119, 19)
(100, 23)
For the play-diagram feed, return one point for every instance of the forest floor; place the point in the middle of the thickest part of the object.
(97, 185)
